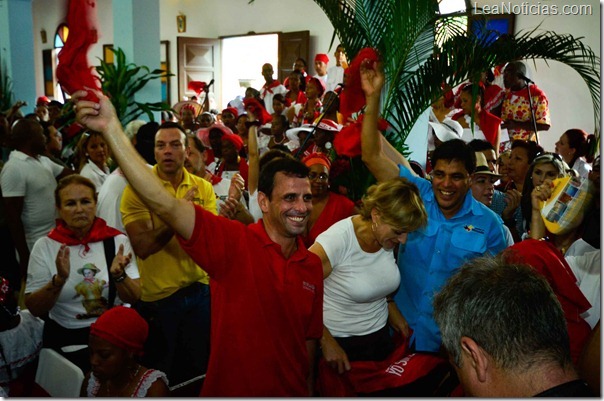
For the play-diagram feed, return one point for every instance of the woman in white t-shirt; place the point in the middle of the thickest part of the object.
(360, 274)
(68, 273)
(92, 154)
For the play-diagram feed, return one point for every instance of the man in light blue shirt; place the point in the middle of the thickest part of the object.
(459, 227)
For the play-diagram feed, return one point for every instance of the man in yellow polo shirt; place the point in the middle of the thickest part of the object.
(175, 297)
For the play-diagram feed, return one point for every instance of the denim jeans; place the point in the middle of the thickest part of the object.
(179, 333)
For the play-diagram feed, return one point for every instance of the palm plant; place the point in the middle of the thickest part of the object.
(122, 80)
(408, 33)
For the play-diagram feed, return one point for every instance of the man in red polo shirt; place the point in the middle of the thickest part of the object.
(266, 288)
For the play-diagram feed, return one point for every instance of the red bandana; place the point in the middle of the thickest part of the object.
(98, 232)
(268, 88)
(214, 179)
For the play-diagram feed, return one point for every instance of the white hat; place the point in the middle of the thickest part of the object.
(447, 129)
(292, 133)
(327, 125)
(482, 167)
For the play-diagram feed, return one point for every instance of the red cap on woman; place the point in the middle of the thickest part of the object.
(122, 327)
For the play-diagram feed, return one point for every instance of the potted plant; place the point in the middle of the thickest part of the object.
(122, 80)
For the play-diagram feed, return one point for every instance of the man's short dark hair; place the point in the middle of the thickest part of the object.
(507, 309)
(172, 124)
(517, 66)
(479, 145)
(286, 165)
(24, 131)
(455, 149)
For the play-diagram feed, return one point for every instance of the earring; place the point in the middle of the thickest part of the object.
(373, 226)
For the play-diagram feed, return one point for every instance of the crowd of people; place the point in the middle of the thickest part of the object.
(216, 253)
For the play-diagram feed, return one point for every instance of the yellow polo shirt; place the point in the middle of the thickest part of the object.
(170, 269)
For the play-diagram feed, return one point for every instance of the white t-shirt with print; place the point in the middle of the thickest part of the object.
(80, 301)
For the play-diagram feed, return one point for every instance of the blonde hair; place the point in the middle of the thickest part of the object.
(398, 202)
(80, 155)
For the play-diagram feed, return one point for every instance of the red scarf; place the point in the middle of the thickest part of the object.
(214, 179)
(268, 88)
(98, 232)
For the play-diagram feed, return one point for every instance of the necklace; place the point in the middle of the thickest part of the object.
(280, 142)
(117, 392)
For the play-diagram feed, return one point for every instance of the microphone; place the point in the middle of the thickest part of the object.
(525, 78)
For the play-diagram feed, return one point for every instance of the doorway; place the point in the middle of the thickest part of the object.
(242, 60)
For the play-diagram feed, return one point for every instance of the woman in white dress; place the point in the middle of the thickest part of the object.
(92, 155)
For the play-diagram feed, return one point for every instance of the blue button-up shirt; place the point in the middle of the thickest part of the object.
(433, 254)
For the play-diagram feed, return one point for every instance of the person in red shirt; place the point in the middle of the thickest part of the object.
(266, 288)
(328, 207)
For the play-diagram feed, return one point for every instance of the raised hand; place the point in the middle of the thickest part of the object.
(120, 262)
(512, 199)
(372, 78)
(229, 208)
(236, 187)
(62, 263)
(541, 193)
(96, 116)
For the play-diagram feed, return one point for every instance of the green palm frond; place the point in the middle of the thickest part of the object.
(422, 49)
(122, 80)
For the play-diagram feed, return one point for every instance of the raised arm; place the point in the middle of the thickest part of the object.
(177, 213)
(372, 152)
(253, 159)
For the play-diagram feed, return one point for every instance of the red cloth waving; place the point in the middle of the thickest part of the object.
(399, 369)
(73, 71)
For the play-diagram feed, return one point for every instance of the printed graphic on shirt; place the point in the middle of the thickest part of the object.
(91, 290)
